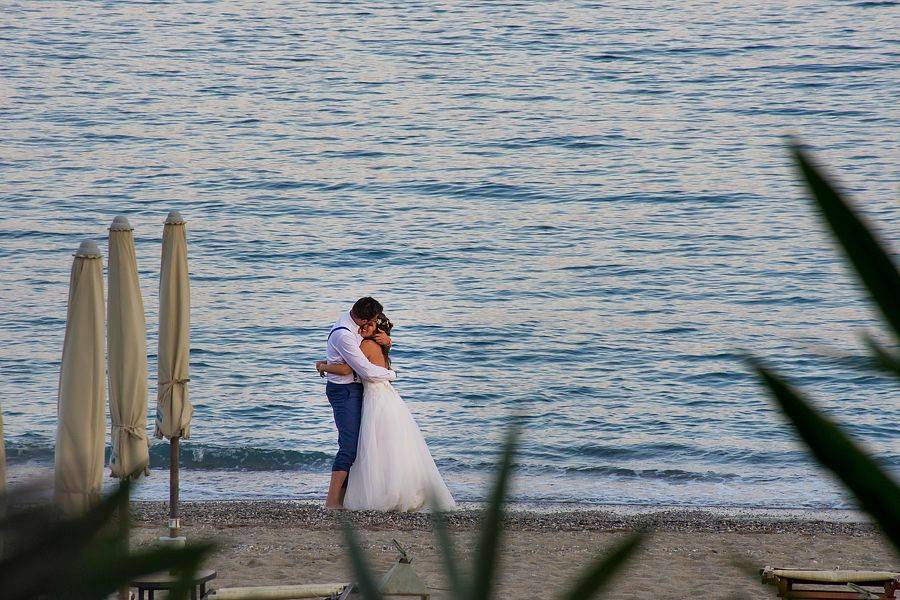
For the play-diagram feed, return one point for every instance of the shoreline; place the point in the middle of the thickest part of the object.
(306, 515)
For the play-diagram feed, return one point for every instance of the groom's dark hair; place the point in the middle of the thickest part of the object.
(366, 308)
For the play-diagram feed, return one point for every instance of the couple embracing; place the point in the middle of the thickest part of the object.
(383, 462)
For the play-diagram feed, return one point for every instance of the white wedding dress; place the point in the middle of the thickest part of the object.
(394, 470)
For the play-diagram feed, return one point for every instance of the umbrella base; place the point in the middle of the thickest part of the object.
(172, 542)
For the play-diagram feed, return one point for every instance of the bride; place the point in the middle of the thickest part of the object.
(394, 470)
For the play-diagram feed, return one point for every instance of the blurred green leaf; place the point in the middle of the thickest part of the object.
(80, 557)
(49, 552)
(486, 556)
(876, 492)
(884, 358)
(365, 583)
(868, 256)
(106, 569)
(186, 573)
(599, 574)
(744, 564)
(458, 584)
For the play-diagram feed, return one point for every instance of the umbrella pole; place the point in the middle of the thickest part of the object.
(174, 524)
(124, 508)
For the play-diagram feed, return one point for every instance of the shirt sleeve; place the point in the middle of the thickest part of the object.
(347, 347)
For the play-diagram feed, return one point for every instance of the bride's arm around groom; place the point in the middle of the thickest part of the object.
(355, 361)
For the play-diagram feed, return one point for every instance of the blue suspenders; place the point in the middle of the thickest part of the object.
(355, 378)
(337, 329)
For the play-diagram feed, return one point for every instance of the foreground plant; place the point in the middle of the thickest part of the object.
(85, 557)
(478, 581)
(876, 492)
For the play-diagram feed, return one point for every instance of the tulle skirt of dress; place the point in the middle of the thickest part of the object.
(394, 470)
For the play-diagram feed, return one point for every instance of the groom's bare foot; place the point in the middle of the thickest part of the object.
(333, 506)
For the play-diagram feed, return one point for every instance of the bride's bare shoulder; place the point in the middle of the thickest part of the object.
(373, 352)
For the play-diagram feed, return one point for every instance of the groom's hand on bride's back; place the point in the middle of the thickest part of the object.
(382, 338)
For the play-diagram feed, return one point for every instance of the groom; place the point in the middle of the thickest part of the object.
(345, 392)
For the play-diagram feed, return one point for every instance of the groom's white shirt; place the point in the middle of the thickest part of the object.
(343, 347)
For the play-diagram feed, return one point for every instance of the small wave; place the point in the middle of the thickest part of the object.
(608, 56)
(687, 452)
(478, 190)
(197, 456)
(676, 475)
(673, 330)
(204, 456)
(572, 142)
(552, 472)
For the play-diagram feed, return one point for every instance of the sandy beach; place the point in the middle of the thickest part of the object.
(689, 554)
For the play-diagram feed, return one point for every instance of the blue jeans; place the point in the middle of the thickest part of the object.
(346, 402)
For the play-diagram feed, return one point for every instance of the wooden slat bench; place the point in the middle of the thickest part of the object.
(832, 585)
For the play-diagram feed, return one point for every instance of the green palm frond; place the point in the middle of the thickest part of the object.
(884, 358)
(598, 575)
(486, 556)
(365, 581)
(459, 584)
(46, 555)
(874, 489)
(868, 256)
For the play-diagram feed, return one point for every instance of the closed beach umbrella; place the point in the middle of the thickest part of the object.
(81, 415)
(2, 462)
(127, 341)
(173, 409)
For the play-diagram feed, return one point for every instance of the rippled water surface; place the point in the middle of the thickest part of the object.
(581, 212)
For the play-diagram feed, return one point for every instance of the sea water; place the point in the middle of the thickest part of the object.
(578, 212)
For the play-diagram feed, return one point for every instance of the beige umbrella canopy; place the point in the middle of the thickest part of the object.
(127, 341)
(80, 432)
(173, 409)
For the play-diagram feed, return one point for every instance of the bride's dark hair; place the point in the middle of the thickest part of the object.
(382, 323)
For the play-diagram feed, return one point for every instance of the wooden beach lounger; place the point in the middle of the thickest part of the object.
(832, 585)
(282, 592)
